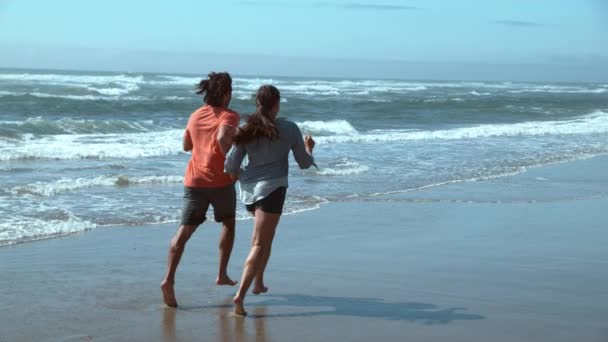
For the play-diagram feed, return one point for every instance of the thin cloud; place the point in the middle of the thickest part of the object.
(257, 3)
(324, 4)
(379, 7)
(518, 23)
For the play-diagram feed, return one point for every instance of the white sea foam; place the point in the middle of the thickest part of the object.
(343, 167)
(474, 93)
(115, 91)
(69, 97)
(593, 123)
(76, 97)
(249, 96)
(40, 125)
(177, 80)
(559, 90)
(293, 207)
(126, 83)
(357, 87)
(244, 97)
(290, 85)
(120, 85)
(159, 143)
(112, 85)
(17, 228)
(109, 91)
(53, 188)
(330, 88)
(95, 146)
(339, 127)
(175, 98)
(252, 84)
(190, 81)
(129, 98)
(73, 79)
(395, 89)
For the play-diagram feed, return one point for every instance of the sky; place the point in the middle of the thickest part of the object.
(553, 40)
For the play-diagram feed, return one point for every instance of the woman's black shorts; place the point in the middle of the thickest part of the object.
(273, 203)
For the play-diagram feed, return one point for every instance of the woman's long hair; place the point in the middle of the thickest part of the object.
(215, 88)
(261, 123)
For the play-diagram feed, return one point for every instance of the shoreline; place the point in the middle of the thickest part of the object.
(348, 198)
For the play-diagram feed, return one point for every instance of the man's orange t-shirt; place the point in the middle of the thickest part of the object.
(206, 166)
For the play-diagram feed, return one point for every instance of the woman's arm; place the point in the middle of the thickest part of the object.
(302, 150)
(234, 159)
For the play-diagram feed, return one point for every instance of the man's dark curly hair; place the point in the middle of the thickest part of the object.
(215, 87)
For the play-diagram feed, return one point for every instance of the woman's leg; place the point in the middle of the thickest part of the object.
(264, 227)
(274, 205)
(258, 282)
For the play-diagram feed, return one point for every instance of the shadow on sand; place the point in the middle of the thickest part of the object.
(357, 307)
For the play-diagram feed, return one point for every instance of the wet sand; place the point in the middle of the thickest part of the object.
(520, 258)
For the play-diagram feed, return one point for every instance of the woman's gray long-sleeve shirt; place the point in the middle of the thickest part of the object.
(267, 167)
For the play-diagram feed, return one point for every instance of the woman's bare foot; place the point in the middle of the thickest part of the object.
(168, 294)
(239, 309)
(259, 289)
(225, 280)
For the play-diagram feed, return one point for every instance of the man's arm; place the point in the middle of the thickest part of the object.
(187, 142)
(225, 137)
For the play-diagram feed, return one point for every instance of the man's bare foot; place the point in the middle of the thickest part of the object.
(259, 289)
(239, 309)
(168, 294)
(225, 280)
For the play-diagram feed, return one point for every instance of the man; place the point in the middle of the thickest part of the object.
(208, 135)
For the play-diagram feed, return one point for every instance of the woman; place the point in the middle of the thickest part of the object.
(266, 141)
(209, 136)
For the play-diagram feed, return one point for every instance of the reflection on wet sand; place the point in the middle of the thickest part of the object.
(169, 324)
(231, 327)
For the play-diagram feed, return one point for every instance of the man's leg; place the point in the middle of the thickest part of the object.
(223, 201)
(176, 249)
(226, 243)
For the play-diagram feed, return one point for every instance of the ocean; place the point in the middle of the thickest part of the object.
(87, 150)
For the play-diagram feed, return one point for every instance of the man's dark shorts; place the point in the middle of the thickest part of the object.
(197, 200)
(273, 203)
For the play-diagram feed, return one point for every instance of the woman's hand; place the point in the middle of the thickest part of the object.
(309, 143)
(235, 176)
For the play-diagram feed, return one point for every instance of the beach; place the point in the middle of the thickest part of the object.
(445, 165)
(515, 258)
